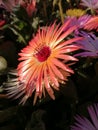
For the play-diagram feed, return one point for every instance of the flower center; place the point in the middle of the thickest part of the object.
(43, 54)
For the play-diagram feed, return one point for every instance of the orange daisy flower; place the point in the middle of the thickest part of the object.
(92, 24)
(43, 63)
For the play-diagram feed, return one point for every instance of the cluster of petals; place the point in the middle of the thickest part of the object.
(92, 23)
(30, 6)
(2, 22)
(75, 12)
(85, 124)
(80, 22)
(89, 44)
(9, 5)
(90, 4)
(44, 63)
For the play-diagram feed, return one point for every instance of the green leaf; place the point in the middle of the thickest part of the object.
(20, 37)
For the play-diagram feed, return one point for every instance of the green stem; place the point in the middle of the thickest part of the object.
(61, 11)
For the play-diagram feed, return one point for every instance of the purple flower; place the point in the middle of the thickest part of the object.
(9, 4)
(79, 22)
(89, 45)
(85, 124)
(91, 4)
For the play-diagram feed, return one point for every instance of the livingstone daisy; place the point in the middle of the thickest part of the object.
(75, 12)
(85, 124)
(9, 4)
(92, 24)
(80, 22)
(89, 44)
(90, 4)
(43, 63)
